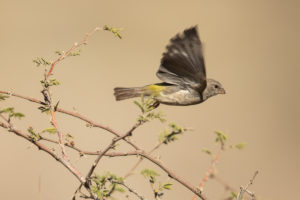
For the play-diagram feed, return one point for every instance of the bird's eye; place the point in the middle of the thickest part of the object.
(216, 86)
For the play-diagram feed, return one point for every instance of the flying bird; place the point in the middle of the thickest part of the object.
(182, 70)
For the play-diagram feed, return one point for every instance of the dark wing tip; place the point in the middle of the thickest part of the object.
(191, 32)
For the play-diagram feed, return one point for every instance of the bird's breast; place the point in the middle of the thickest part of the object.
(179, 97)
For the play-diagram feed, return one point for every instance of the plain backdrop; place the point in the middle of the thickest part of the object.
(251, 47)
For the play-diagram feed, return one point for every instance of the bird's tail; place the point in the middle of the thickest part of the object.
(122, 93)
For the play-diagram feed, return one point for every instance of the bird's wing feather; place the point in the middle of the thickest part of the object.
(183, 63)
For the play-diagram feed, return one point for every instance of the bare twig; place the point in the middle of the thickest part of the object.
(75, 45)
(129, 189)
(209, 171)
(223, 182)
(245, 190)
(157, 146)
(110, 146)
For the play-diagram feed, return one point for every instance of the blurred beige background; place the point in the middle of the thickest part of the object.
(251, 47)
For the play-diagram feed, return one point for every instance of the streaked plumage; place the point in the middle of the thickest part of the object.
(183, 73)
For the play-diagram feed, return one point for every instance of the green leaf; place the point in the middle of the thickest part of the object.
(69, 136)
(176, 128)
(240, 146)
(147, 105)
(58, 52)
(33, 135)
(206, 151)
(53, 82)
(106, 184)
(18, 115)
(75, 53)
(233, 194)
(3, 97)
(221, 137)
(150, 174)
(167, 186)
(8, 110)
(168, 135)
(139, 105)
(119, 189)
(50, 130)
(41, 61)
(115, 31)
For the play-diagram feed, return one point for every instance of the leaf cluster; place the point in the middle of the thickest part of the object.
(73, 53)
(157, 186)
(11, 113)
(220, 137)
(105, 185)
(170, 133)
(238, 146)
(3, 97)
(232, 196)
(147, 105)
(115, 31)
(34, 136)
(41, 61)
(51, 82)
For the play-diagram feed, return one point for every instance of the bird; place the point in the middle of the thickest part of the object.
(182, 72)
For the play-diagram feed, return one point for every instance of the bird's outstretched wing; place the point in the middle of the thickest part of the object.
(183, 63)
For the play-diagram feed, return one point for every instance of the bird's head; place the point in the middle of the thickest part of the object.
(213, 88)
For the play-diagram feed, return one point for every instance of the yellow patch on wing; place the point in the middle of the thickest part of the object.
(155, 89)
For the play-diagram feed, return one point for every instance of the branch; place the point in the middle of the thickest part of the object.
(210, 171)
(94, 124)
(101, 154)
(130, 172)
(73, 114)
(245, 190)
(40, 147)
(75, 45)
(110, 146)
(223, 182)
(129, 189)
(93, 153)
(61, 144)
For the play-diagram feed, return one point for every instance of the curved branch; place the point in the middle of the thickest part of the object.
(41, 147)
(153, 160)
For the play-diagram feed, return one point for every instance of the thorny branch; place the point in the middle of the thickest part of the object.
(142, 153)
(75, 45)
(40, 146)
(101, 154)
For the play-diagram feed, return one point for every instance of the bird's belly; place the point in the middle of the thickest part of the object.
(181, 97)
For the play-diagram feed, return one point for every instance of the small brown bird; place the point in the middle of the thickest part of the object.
(183, 73)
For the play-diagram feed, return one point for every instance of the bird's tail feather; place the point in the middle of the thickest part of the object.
(122, 93)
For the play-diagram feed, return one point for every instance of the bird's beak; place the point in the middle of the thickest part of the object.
(222, 91)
